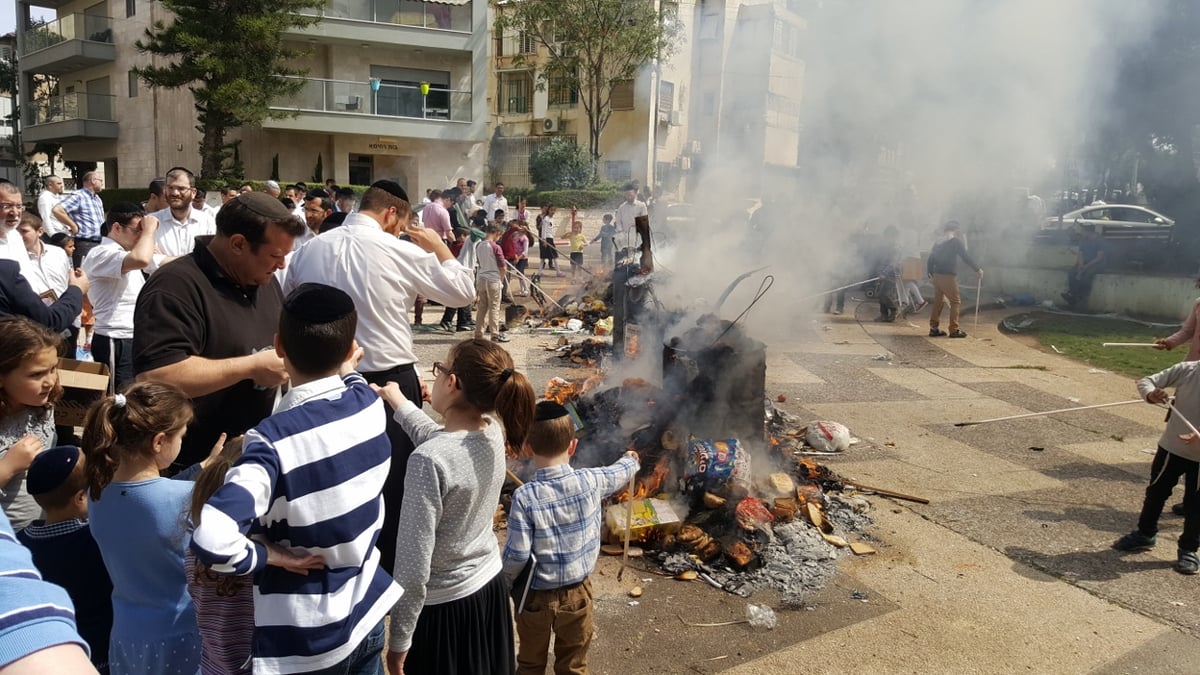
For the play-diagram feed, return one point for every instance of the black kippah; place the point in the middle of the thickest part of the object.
(392, 188)
(51, 469)
(264, 205)
(548, 410)
(318, 303)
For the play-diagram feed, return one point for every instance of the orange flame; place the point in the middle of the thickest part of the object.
(648, 485)
(563, 391)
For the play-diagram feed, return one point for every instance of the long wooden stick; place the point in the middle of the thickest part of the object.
(978, 293)
(1048, 412)
(1190, 426)
(1129, 344)
(840, 288)
(628, 524)
(885, 492)
(513, 477)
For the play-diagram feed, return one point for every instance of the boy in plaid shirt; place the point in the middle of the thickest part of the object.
(556, 517)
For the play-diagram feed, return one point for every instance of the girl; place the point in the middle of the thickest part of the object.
(578, 241)
(522, 211)
(520, 240)
(28, 391)
(224, 603)
(454, 616)
(547, 251)
(137, 519)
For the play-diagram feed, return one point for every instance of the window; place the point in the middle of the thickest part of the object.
(561, 92)
(525, 43)
(622, 95)
(618, 171)
(516, 90)
(130, 7)
(133, 84)
(666, 98)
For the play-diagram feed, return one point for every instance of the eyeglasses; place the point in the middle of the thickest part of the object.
(12, 207)
(176, 189)
(439, 367)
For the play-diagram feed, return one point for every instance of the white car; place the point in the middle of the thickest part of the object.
(1114, 221)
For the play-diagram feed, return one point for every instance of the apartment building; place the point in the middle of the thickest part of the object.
(395, 89)
(9, 164)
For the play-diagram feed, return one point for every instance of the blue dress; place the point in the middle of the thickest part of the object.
(142, 533)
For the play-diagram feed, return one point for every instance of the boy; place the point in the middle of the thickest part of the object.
(310, 475)
(1178, 455)
(489, 260)
(62, 545)
(556, 517)
(607, 239)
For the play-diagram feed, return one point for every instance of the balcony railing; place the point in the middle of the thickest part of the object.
(452, 15)
(70, 27)
(389, 100)
(75, 106)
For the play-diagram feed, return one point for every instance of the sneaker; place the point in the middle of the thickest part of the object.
(958, 334)
(1187, 563)
(836, 312)
(446, 326)
(1178, 509)
(500, 337)
(463, 329)
(1135, 541)
(921, 306)
(937, 332)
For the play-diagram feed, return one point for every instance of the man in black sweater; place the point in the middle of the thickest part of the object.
(18, 299)
(943, 270)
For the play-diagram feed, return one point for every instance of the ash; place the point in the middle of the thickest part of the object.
(849, 514)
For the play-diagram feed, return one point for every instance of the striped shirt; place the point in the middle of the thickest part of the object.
(310, 477)
(556, 516)
(86, 209)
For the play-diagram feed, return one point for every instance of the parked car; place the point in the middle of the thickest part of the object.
(1113, 221)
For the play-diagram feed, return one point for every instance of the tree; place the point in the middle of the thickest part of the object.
(593, 46)
(230, 54)
(560, 164)
(43, 88)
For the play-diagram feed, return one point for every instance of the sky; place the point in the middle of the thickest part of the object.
(8, 15)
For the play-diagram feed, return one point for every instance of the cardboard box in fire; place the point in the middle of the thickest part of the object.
(83, 383)
(648, 515)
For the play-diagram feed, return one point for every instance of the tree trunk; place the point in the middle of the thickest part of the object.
(211, 150)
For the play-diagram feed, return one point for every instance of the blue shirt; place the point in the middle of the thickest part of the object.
(557, 517)
(86, 209)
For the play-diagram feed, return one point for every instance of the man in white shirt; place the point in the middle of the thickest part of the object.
(384, 275)
(495, 201)
(180, 223)
(200, 202)
(115, 268)
(50, 198)
(12, 205)
(627, 212)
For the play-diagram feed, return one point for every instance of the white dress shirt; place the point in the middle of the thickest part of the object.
(492, 202)
(46, 203)
(383, 275)
(113, 293)
(178, 237)
(49, 270)
(13, 248)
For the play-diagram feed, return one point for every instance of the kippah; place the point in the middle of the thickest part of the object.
(264, 205)
(392, 188)
(318, 303)
(548, 410)
(272, 184)
(51, 469)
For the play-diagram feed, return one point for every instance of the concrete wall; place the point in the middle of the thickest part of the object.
(1164, 298)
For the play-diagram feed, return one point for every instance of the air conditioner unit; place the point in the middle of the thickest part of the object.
(694, 147)
(685, 163)
(676, 118)
(549, 125)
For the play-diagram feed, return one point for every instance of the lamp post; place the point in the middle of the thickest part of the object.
(375, 95)
(424, 100)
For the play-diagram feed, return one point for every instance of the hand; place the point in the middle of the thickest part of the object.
(1188, 438)
(395, 662)
(296, 561)
(1157, 397)
(79, 279)
(1162, 344)
(427, 239)
(425, 395)
(149, 225)
(214, 453)
(351, 362)
(20, 454)
(390, 393)
(268, 370)
(634, 455)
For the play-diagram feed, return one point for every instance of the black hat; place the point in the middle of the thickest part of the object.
(342, 193)
(51, 469)
(264, 205)
(318, 303)
(392, 188)
(548, 410)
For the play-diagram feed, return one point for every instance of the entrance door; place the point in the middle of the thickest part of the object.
(361, 170)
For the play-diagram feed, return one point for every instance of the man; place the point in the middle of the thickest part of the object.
(495, 201)
(227, 193)
(156, 200)
(211, 318)
(17, 297)
(200, 203)
(317, 207)
(344, 200)
(943, 269)
(83, 214)
(383, 275)
(272, 189)
(627, 214)
(180, 223)
(1088, 263)
(246, 187)
(115, 269)
(435, 216)
(50, 198)
(12, 206)
(295, 192)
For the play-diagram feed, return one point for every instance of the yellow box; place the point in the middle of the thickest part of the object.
(648, 515)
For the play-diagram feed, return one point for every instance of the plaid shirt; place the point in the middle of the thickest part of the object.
(86, 209)
(557, 517)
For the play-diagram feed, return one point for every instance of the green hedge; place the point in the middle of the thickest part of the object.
(215, 185)
(589, 198)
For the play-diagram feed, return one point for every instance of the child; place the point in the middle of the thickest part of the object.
(547, 251)
(490, 260)
(556, 517)
(137, 518)
(28, 391)
(310, 475)
(520, 244)
(224, 605)
(63, 548)
(578, 241)
(454, 616)
(607, 239)
(1178, 457)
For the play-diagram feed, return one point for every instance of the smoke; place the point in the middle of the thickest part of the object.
(909, 113)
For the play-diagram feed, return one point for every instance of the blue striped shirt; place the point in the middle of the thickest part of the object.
(557, 517)
(310, 477)
(86, 209)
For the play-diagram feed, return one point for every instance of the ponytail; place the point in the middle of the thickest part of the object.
(515, 403)
(489, 383)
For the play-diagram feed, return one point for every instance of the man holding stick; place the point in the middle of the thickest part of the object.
(943, 270)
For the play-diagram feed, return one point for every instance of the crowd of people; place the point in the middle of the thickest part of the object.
(261, 487)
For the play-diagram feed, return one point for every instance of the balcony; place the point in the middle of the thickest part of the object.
(67, 44)
(332, 106)
(70, 117)
(434, 24)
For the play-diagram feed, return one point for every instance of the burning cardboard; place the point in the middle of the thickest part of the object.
(649, 515)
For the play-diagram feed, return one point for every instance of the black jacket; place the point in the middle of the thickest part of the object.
(18, 299)
(943, 259)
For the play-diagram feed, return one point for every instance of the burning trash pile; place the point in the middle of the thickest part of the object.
(589, 352)
(716, 499)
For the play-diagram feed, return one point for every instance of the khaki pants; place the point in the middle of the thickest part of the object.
(945, 288)
(487, 296)
(565, 612)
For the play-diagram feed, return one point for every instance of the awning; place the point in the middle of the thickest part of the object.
(456, 3)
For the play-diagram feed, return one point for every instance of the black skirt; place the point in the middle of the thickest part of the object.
(470, 636)
(547, 250)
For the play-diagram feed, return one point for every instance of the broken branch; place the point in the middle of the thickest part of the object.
(711, 625)
(885, 492)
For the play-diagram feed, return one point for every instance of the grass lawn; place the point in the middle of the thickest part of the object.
(1081, 338)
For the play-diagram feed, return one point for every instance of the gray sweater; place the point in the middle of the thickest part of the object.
(1185, 378)
(445, 547)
